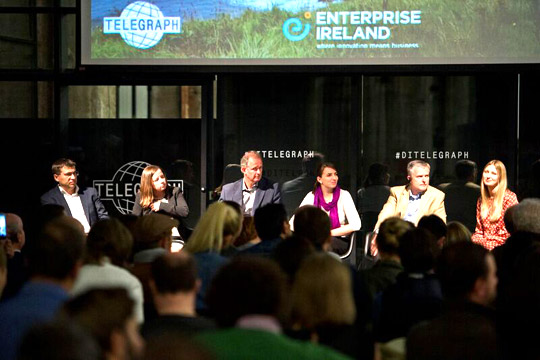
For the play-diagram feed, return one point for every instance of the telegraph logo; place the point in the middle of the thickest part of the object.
(294, 30)
(125, 184)
(142, 25)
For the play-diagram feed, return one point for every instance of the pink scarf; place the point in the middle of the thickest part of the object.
(329, 207)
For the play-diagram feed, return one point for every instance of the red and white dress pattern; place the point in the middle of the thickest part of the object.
(492, 234)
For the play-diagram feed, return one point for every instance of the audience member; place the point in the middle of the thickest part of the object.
(290, 254)
(153, 238)
(174, 286)
(248, 297)
(293, 191)
(109, 239)
(17, 272)
(313, 224)
(59, 340)
(416, 296)
(373, 195)
(247, 238)
(412, 201)
(54, 261)
(217, 229)
(526, 216)
(466, 329)
(83, 204)
(509, 219)
(253, 190)
(107, 314)
(495, 198)
(456, 232)
(462, 194)
(272, 226)
(3, 270)
(436, 226)
(323, 308)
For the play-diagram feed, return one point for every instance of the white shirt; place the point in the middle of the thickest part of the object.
(346, 209)
(412, 207)
(76, 208)
(248, 198)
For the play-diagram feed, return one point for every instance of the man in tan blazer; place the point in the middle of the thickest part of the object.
(411, 202)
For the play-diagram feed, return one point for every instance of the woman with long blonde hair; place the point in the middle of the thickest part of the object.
(156, 195)
(494, 199)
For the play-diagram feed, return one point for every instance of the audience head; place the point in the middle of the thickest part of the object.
(107, 314)
(59, 250)
(456, 232)
(3, 270)
(467, 272)
(154, 231)
(290, 253)
(418, 176)
(60, 340)
(216, 230)
(435, 225)
(322, 293)
(49, 212)
(526, 216)
(271, 221)
(390, 231)
(313, 224)
(15, 231)
(377, 175)
(509, 219)
(247, 285)
(466, 170)
(174, 273)
(248, 232)
(418, 250)
(109, 238)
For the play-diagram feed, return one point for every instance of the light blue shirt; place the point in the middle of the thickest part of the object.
(412, 207)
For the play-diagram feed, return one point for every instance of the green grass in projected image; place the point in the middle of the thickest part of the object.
(465, 28)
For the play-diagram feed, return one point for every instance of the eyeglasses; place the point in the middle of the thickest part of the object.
(68, 174)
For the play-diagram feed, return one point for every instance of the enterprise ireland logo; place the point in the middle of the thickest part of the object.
(294, 30)
(142, 25)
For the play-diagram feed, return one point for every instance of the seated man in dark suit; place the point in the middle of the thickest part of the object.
(81, 203)
(253, 190)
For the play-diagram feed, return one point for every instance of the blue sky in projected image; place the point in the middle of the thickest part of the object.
(206, 9)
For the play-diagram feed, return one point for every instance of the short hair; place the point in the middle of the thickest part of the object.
(313, 224)
(14, 226)
(57, 166)
(100, 312)
(456, 232)
(244, 286)
(290, 253)
(59, 248)
(418, 250)
(109, 238)
(459, 266)
(415, 163)
(269, 221)
(219, 221)
(464, 169)
(434, 224)
(390, 231)
(526, 216)
(322, 293)
(49, 212)
(247, 155)
(174, 272)
(151, 229)
(59, 340)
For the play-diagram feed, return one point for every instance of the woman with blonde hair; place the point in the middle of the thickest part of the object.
(323, 308)
(494, 199)
(216, 230)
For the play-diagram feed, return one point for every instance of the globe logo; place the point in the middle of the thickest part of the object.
(142, 25)
(125, 184)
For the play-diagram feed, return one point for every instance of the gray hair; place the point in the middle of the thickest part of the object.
(249, 154)
(526, 216)
(414, 163)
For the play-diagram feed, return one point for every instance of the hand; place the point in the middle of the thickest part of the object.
(155, 206)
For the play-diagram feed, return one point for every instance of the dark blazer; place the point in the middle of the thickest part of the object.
(175, 207)
(268, 192)
(92, 205)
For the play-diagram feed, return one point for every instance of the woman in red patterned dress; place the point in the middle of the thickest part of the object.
(492, 204)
